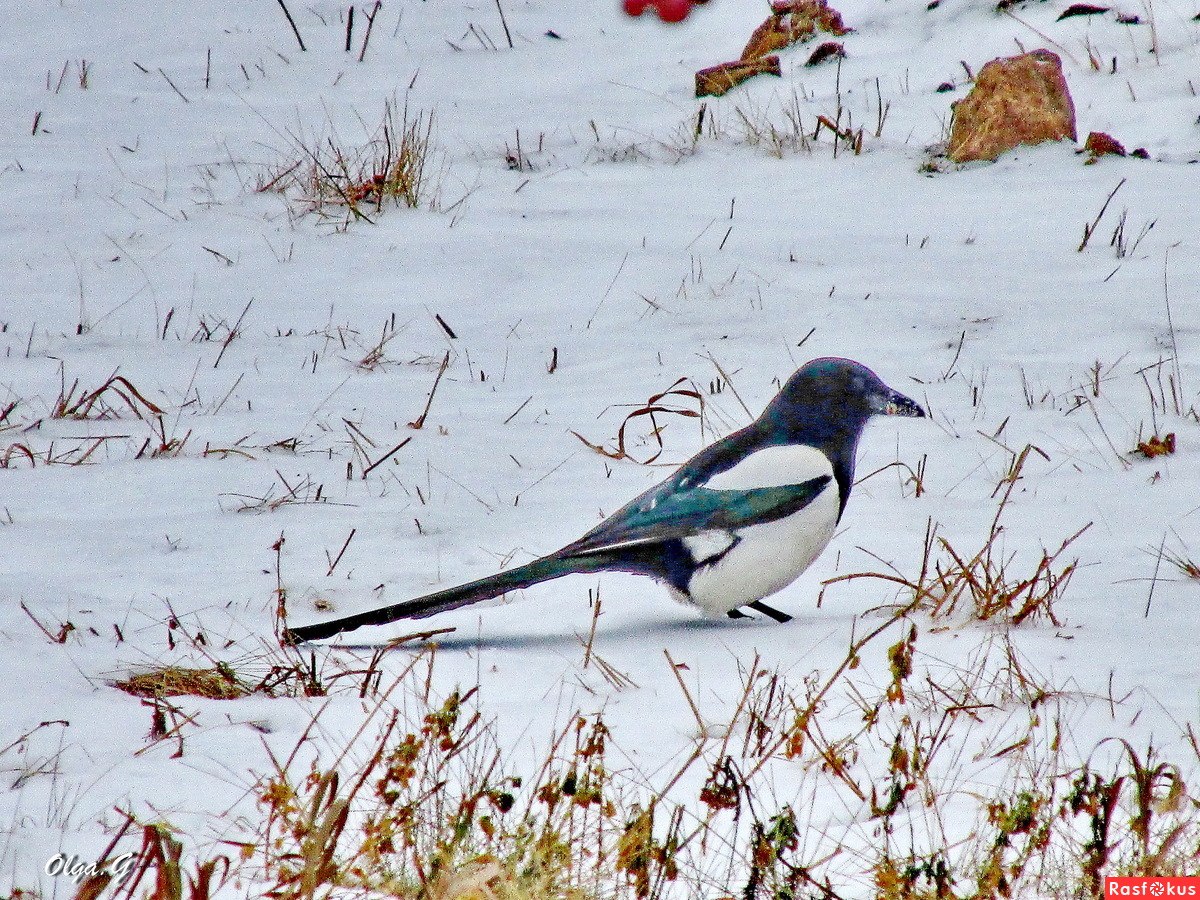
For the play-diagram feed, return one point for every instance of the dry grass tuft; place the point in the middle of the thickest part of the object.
(675, 400)
(157, 862)
(428, 812)
(217, 683)
(958, 771)
(957, 779)
(347, 183)
(96, 404)
(982, 584)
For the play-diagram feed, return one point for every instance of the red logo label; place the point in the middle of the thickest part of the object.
(1137, 886)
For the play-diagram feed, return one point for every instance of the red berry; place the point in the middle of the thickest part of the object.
(673, 10)
(635, 7)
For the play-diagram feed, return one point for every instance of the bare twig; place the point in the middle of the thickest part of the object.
(446, 328)
(420, 421)
(518, 409)
(367, 471)
(1177, 387)
(233, 332)
(370, 23)
(292, 22)
(172, 84)
(675, 668)
(725, 375)
(1154, 577)
(63, 631)
(1089, 230)
(333, 565)
(504, 22)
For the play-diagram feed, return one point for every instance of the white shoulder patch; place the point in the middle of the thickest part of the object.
(773, 467)
(708, 544)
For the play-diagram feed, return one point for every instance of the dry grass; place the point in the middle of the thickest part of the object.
(982, 584)
(676, 400)
(423, 808)
(776, 127)
(218, 683)
(394, 167)
(953, 779)
(155, 866)
(777, 133)
(1185, 564)
(101, 402)
(117, 398)
(421, 802)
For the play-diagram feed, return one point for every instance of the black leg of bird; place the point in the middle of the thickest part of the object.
(759, 606)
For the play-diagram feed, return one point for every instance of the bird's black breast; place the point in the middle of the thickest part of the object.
(843, 473)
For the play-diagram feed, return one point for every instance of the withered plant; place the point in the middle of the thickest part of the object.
(981, 585)
(394, 166)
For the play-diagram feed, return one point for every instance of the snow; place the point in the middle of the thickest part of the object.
(132, 229)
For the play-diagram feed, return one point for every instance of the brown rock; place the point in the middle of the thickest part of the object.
(790, 22)
(724, 77)
(1082, 9)
(1100, 144)
(827, 50)
(1019, 100)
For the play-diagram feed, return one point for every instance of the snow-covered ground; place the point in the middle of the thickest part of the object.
(616, 255)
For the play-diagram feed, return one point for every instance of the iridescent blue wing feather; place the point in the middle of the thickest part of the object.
(670, 512)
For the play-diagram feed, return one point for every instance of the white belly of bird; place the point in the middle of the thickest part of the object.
(767, 557)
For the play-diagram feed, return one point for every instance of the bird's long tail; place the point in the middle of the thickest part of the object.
(543, 569)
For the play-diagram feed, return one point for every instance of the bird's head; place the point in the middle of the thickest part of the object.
(830, 399)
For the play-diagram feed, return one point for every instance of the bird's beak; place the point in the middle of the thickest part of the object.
(895, 403)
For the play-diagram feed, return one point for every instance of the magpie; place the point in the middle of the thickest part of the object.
(737, 522)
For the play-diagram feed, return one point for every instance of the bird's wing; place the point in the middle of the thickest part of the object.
(674, 512)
